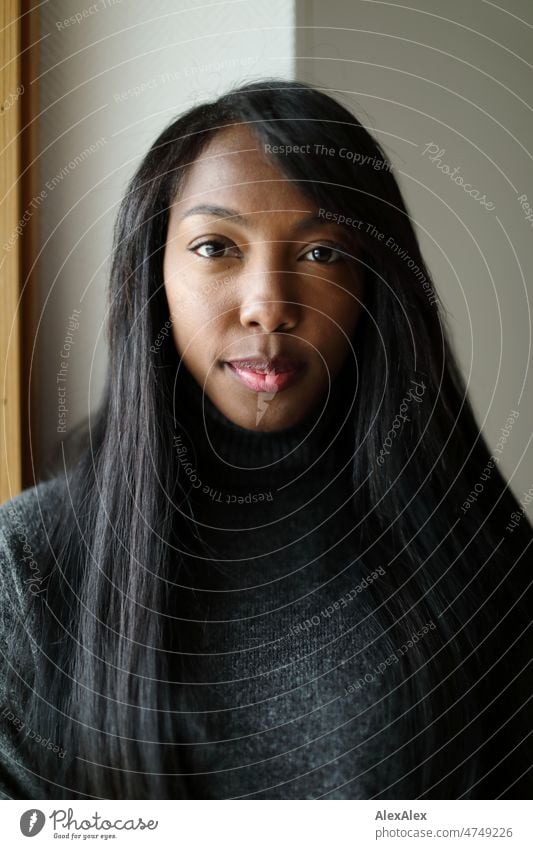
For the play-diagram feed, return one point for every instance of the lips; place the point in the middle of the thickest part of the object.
(265, 364)
(262, 374)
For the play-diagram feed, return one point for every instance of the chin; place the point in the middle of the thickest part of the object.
(268, 415)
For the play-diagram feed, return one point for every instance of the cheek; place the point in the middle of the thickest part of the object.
(188, 322)
(348, 306)
(335, 327)
(350, 315)
(338, 316)
(198, 321)
(183, 304)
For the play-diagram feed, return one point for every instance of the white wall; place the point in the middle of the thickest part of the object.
(455, 74)
(109, 83)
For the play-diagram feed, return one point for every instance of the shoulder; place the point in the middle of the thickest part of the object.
(25, 521)
(27, 514)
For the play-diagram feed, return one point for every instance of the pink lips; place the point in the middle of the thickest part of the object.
(266, 375)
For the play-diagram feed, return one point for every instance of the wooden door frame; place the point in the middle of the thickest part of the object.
(19, 235)
(31, 242)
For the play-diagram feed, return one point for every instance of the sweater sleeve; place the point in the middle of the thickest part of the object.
(22, 543)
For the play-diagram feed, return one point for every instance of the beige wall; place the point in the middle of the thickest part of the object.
(456, 75)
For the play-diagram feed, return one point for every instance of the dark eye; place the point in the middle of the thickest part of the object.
(323, 253)
(214, 248)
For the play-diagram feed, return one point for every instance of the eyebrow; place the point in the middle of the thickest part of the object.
(224, 212)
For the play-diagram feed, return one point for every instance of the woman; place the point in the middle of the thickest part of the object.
(267, 576)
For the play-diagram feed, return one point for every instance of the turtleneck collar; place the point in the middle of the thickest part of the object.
(224, 455)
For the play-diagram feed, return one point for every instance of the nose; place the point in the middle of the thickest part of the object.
(268, 302)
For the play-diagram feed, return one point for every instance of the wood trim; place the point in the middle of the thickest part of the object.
(30, 242)
(10, 442)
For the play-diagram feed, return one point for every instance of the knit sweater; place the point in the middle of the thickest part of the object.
(276, 616)
(23, 540)
(278, 620)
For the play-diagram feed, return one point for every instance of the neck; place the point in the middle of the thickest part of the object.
(223, 454)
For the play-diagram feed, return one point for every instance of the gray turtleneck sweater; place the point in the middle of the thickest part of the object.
(281, 699)
(279, 626)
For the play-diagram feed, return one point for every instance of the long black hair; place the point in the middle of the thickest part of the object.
(105, 680)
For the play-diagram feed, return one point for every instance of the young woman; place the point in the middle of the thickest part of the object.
(285, 565)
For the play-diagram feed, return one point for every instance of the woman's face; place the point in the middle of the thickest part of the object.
(252, 273)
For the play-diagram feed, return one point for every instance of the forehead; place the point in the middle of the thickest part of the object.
(234, 170)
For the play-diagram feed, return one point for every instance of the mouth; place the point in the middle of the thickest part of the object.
(261, 374)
